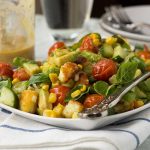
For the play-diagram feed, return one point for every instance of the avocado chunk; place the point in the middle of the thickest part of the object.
(70, 57)
(9, 98)
(124, 43)
(92, 57)
(31, 68)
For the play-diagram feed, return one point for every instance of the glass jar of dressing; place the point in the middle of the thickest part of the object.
(16, 29)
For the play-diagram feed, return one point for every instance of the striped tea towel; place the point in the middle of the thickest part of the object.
(20, 133)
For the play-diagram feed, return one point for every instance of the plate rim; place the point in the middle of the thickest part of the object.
(144, 38)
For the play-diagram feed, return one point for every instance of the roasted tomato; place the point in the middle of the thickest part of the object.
(92, 100)
(55, 46)
(61, 93)
(144, 54)
(21, 74)
(87, 44)
(6, 70)
(104, 69)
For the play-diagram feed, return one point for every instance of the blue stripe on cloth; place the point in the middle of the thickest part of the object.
(5, 111)
(128, 121)
(132, 133)
(42, 130)
(29, 130)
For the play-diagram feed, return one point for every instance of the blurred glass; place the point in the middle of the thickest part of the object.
(16, 29)
(66, 16)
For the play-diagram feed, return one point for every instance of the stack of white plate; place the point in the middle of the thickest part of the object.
(137, 14)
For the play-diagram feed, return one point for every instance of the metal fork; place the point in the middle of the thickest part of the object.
(101, 109)
(121, 14)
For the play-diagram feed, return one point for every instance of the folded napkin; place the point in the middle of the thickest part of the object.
(20, 133)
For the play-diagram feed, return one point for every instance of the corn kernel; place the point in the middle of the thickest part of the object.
(58, 110)
(41, 67)
(138, 103)
(49, 113)
(75, 115)
(83, 88)
(80, 66)
(52, 98)
(45, 87)
(111, 40)
(15, 80)
(75, 93)
(53, 77)
(93, 36)
(96, 42)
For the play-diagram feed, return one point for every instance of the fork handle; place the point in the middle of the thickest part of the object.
(102, 108)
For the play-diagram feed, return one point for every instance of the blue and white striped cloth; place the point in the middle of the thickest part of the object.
(20, 133)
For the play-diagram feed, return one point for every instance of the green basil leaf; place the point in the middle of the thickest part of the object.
(19, 61)
(101, 87)
(112, 89)
(139, 61)
(78, 87)
(39, 78)
(126, 72)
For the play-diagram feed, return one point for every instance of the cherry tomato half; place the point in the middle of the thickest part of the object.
(92, 100)
(87, 44)
(104, 69)
(21, 74)
(61, 93)
(55, 46)
(6, 70)
(144, 54)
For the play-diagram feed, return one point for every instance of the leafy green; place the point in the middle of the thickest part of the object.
(139, 47)
(19, 61)
(39, 78)
(101, 87)
(78, 87)
(5, 83)
(140, 62)
(145, 85)
(130, 96)
(112, 89)
(126, 72)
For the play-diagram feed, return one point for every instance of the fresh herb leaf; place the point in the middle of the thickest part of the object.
(101, 87)
(139, 47)
(126, 72)
(140, 62)
(112, 89)
(39, 78)
(19, 61)
(78, 87)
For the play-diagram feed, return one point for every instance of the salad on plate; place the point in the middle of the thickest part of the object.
(77, 77)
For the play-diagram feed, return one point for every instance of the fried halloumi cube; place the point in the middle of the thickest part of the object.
(71, 107)
(67, 71)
